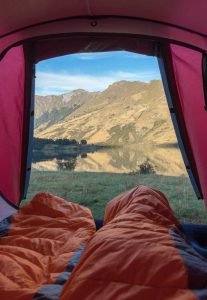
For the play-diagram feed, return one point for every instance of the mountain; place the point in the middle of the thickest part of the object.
(49, 110)
(126, 112)
(133, 116)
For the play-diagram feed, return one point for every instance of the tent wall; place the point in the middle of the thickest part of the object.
(12, 76)
(14, 123)
(184, 69)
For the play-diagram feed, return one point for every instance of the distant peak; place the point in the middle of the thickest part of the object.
(68, 96)
(126, 82)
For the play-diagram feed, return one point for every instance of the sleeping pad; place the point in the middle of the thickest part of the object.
(40, 245)
(139, 254)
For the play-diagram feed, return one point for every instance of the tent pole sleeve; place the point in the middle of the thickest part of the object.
(31, 132)
(28, 119)
(167, 89)
(204, 73)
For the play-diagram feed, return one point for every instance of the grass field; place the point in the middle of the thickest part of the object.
(94, 190)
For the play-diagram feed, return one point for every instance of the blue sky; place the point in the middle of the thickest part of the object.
(93, 71)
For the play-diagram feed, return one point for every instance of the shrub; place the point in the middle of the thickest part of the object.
(146, 168)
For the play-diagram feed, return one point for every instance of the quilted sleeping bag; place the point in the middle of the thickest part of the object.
(139, 254)
(50, 250)
(39, 247)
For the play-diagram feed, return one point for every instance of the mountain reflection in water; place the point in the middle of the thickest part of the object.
(165, 160)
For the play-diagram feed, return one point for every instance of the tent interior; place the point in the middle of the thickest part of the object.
(172, 62)
(30, 33)
(57, 29)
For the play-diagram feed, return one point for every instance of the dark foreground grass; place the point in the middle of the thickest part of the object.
(94, 190)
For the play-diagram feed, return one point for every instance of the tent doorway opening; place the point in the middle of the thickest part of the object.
(102, 126)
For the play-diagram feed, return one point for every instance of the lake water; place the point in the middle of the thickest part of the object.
(165, 160)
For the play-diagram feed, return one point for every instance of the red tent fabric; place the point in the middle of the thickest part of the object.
(11, 122)
(186, 67)
(176, 20)
(32, 30)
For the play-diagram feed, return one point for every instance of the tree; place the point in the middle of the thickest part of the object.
(83, 142)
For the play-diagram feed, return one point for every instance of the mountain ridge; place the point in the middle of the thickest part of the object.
(124, 112)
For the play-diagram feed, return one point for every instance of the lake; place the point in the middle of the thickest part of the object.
(166, 160)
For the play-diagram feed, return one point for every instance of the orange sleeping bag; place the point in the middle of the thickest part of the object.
(40, 247)
(139, 254)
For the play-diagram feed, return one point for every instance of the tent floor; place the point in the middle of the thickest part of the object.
(196, 235)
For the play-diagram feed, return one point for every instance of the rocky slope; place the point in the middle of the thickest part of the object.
(126, 112)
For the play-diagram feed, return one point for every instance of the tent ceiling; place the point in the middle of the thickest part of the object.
(189, 14)
(175, 21)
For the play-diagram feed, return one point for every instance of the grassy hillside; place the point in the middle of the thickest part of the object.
(126, 112)
(96, 189)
